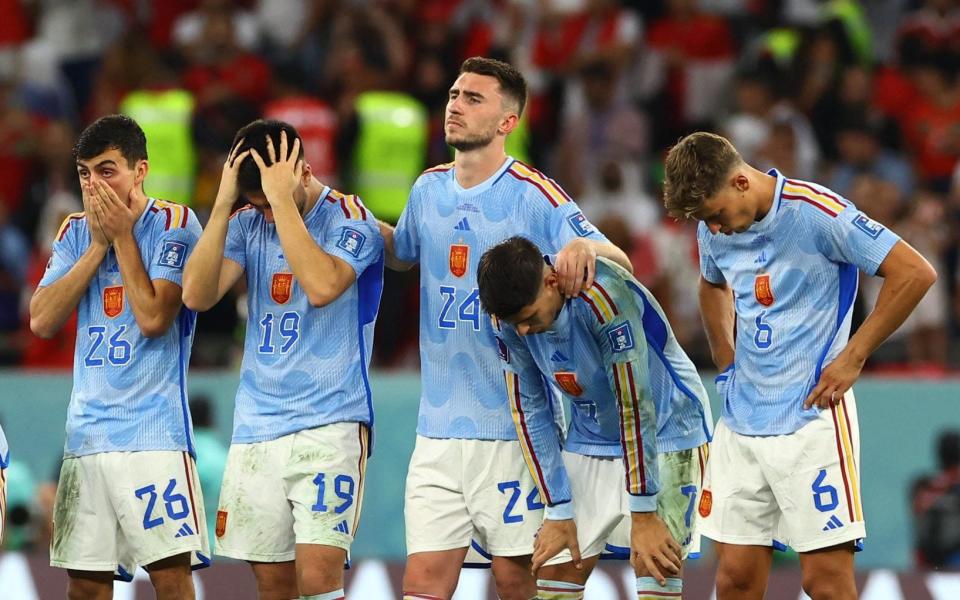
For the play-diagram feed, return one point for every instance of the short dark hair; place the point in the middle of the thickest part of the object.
(509, 276)
(695, 170)
(118, 132)
(254, 135)
(512, 83)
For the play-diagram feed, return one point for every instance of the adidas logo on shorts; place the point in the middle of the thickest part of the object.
(833, 523)
(184, 531)
(342, 527)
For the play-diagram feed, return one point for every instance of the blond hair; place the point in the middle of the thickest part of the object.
(695, 170)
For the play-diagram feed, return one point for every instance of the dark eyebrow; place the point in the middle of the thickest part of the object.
(475, 95)
(102, 163)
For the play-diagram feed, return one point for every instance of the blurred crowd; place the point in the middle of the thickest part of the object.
(864, 101)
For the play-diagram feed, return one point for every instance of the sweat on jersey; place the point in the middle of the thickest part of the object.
(447, 228)
(303, 366)
(794, 279)
(129, 391)
(633, 391)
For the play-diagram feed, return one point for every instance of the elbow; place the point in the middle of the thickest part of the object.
(195, 301)
(928, 275)
(153, 328)
(320, 298)
(41, 329)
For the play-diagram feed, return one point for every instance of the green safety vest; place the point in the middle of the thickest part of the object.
(165, 117)
(390, 150)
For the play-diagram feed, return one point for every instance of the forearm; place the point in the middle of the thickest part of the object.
(201, 275)
(152, 316)
(638, 418)
(612, 252)
(51, 305)
(317, 272)
(717, 311)
(898, 296)
(390, 256)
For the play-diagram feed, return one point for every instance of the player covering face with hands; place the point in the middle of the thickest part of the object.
(640, 417)
(313, 262)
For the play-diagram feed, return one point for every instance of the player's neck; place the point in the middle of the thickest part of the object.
(765, 188)
(138, 202)
(476, 166)
(313, 191)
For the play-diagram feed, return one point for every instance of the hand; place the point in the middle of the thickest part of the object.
(552, 538)
(652, 547)
(576, 267)
(96, 232)
(229, 190)
(115, 217)
(835, 380)
(282, 176)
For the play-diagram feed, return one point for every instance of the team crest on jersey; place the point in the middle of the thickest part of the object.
(113, 301)
(580, 224)
(502, 350)
(352, 241)
(762, 289)
(459, 254)
(621, 338)
(567, 380)
(221, 523)
(172, 255)
(868, 226)
(706, 504)
(280, 287)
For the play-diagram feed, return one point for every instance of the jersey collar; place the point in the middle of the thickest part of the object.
(765, 223)
(483, 185)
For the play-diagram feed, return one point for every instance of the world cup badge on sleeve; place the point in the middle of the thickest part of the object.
(459, 253)
(567, 380)
(280, 287)
(763, 290)
(113, 300)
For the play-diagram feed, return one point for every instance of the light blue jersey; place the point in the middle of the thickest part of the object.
(632, 388)
(794, 278)
(4, 451)
(303, 366)
(447, 229)
(129, 391)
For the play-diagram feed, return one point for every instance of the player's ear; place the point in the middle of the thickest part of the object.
(140, 172)
(740, 181)
(307, 173)
(508, 123)
(550, 279)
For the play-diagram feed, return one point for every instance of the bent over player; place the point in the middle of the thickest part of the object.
(313, 259)
(455, 212)
(639, 414)
(779, 260)
(128, 493)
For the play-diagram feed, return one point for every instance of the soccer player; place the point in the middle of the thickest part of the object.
(639, 407)
(313, 260)
(467, 473)
(783, 276)
(128, 493)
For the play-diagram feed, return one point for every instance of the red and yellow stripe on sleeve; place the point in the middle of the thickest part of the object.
(600, 302)
(66, 224)
(523, 433)
(351, 205)
(548, 187)
(819, 199)
(631, 438)
(177, 215)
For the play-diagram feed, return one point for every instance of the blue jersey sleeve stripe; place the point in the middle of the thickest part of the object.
(523, 433)
(847, 294)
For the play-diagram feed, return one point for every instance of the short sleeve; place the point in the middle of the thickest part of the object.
(235, 246)
(173, 248)
(708, 267)
(854, 238)
(561, 221)
(406, 236)
(357, 241)
(66, 251)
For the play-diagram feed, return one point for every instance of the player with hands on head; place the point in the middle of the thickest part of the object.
(128, 479)
(639, 414)
(779, 261)
(313, 261)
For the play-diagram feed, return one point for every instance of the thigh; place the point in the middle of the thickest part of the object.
(254, 519)
(817, 481)
(736, 505)
(158, 502)
(83, 511)
(502, 499)
(435, 508)
(324, 481)
(680, 488)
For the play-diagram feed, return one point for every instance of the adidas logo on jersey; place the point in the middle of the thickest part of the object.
(463, 225)
(184, 531)
(833, 523)
(762, 258)
(342, 528)
(558, 357)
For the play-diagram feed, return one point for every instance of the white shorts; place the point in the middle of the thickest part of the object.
(302, 488)
(469, 493)
(3, 501)
(801, 489)
(116, 511)
(603, 519)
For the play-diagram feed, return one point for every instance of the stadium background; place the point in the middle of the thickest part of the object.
(863, 97)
